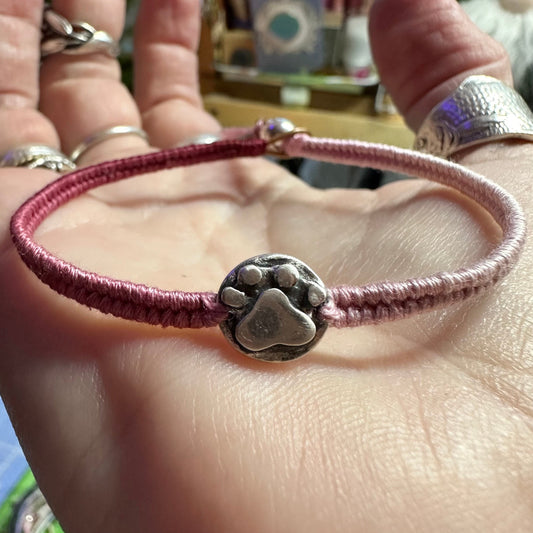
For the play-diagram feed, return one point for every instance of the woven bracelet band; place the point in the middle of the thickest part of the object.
(272, 307)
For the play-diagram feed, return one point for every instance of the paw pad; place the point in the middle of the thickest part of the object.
(273, 302)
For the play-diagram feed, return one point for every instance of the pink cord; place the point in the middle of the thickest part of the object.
(385, 301)
(347, 305)
(121, 298)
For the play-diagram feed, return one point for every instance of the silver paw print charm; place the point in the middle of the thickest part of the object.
(273, 302)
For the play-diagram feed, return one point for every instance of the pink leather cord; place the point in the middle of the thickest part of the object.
(346, 306)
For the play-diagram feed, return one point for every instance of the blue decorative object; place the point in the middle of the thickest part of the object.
(288, 35)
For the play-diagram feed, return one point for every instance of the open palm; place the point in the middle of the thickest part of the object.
(419, 425)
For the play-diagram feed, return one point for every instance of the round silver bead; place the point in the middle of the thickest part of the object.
(273, 302)
(273, 128)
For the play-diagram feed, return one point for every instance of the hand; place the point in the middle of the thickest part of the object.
(417, 425)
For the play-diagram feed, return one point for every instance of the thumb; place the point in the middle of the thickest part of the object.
(423, 50)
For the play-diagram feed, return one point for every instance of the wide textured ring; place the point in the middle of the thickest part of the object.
(101, 136)
(58, 35)
(37, 156)
(273, 307)
(480, 110)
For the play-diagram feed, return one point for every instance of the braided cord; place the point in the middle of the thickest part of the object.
(347, 306)
(121, 298)
(384, 301)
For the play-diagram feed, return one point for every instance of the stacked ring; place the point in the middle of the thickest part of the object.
(101, 136)
(58, 35)
(37, 156)
(61, 36)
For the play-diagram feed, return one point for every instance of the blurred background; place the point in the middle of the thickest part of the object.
(308, 61)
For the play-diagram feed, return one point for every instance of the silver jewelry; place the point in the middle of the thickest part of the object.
(101, 136)
(61, 36)
(273, 300)
(37, 156)
(202, 138)
(480, 110)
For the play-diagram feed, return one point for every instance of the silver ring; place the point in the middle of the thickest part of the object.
(202, 138)
(37, 156)
(97, 138)
(58, 35)
(482, 109)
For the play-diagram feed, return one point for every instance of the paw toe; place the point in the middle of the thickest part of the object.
(250, 275)
(287, 276)
(233, 297)
(316, 295)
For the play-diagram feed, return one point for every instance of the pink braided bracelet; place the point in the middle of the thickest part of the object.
(272, 307)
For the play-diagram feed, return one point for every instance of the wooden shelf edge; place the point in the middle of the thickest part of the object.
(236, 112)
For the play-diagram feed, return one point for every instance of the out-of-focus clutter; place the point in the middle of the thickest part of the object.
(332, 88)
(306, 37)
(307, 60)
(310, 61)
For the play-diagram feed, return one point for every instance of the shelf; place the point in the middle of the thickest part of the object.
(362, 125)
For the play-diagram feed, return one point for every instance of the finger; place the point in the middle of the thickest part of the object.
(166, 80)
(83, 94)
(20, 24)
(423, 50)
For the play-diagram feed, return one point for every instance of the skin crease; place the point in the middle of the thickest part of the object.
(419, 425)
